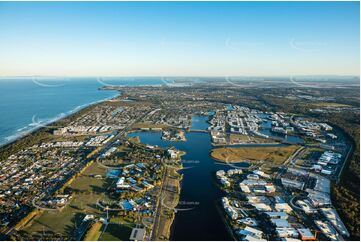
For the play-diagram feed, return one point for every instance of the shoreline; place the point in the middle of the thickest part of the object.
(169, 222)
(62, 121)
(248, 162)
(52, 122)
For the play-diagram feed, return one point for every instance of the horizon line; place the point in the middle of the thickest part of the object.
(182, 76)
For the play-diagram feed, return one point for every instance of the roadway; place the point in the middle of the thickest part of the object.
(87, 160)
(153, 235)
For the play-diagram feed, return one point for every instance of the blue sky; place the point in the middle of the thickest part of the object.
(179, 38)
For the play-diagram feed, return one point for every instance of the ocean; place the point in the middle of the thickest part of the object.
(28, 103)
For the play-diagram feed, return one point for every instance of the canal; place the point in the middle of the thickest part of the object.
(201, 218)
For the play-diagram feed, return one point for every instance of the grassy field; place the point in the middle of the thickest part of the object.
(276, 155)
(308, 154)
(87, 190)
(241, 138)
(148, 126)
(94, 232)
(170, 199)
(116, 232)
(233, 138)
(331, 104)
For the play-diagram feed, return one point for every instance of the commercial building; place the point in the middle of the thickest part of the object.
(333, 217)
(306, 234)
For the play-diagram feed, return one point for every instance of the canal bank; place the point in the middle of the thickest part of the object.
(198, 214)
(197, 217)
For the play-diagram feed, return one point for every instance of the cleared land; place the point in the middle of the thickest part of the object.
(241, 138)
(148, 126)
(331, 104)
(275, 155)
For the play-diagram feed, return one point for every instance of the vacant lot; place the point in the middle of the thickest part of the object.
(148, 126)
(331, 104)
(240, 138)
(276, 155)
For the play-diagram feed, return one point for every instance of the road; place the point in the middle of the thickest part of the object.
(344, 163)
(289, 161)
(87, 160)
(153, 235)
(121, 133)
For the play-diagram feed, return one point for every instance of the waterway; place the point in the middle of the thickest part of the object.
(200, 123)
(200, 190)
(266, 127)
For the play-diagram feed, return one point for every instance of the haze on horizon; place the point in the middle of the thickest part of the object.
(179, 38)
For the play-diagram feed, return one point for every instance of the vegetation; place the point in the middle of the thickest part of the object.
(94, 232)
(331, 104)
(148, 126)
(345, 194)
(27, 219)
(275, 155)
(116, 232)
(85, 190)
(236, 138)
(43, 134)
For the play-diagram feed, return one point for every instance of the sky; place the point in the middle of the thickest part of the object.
(179, 38)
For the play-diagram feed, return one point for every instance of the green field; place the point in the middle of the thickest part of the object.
(275, 155)
(94, 232)
(116, 232)
(87, 191)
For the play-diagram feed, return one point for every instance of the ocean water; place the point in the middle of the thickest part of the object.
(28, 103)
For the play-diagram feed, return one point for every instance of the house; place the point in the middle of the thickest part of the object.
(220, 173)
(248, 221)
(121, 183)
(232, 213)
(172, 153)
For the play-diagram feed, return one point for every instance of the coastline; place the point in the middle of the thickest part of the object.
(52, 122)
(43, 131)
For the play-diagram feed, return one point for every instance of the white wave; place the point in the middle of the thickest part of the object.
(38, 123)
